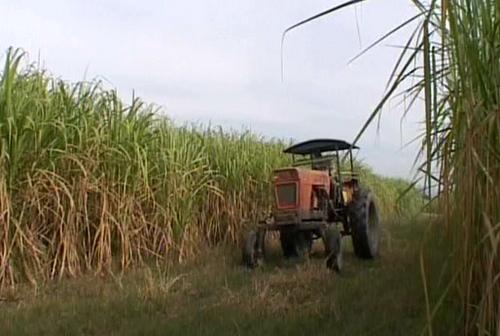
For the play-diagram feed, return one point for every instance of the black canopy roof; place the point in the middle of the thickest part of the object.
(317, 146)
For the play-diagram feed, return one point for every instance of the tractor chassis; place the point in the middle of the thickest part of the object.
(302, 225)
(298, 226)
(254, 250)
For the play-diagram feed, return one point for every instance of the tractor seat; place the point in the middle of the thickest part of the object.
(321, 164)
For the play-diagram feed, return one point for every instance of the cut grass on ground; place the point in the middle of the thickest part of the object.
(216, 296)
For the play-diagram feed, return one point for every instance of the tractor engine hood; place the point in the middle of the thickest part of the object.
(294, 188)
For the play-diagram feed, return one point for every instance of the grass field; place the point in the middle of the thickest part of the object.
(214, 295)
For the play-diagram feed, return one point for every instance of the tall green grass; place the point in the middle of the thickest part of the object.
(458, 47)
(88, 183)
(465, 128)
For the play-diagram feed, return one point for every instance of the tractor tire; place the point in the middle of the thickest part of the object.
(254, 249)
(295, 243)
(287, 240)
(365, 224)
(333, 248)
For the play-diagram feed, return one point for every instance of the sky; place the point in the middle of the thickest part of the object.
(218, 62)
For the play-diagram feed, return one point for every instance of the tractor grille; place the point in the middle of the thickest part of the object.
(287, 195)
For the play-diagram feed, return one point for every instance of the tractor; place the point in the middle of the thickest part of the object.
(318, 197)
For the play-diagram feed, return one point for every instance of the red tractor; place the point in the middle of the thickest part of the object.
(311, 203)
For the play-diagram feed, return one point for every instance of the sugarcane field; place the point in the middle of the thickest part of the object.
(250, 167)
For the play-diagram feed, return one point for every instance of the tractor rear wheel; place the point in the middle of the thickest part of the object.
(254, 249)
(295, 243)
(365, 224)
(333, 248)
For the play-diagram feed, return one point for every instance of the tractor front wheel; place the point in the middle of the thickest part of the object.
(365, 224)
(333, 248)
(254, 249)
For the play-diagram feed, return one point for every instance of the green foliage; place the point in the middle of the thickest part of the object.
(395, 196)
